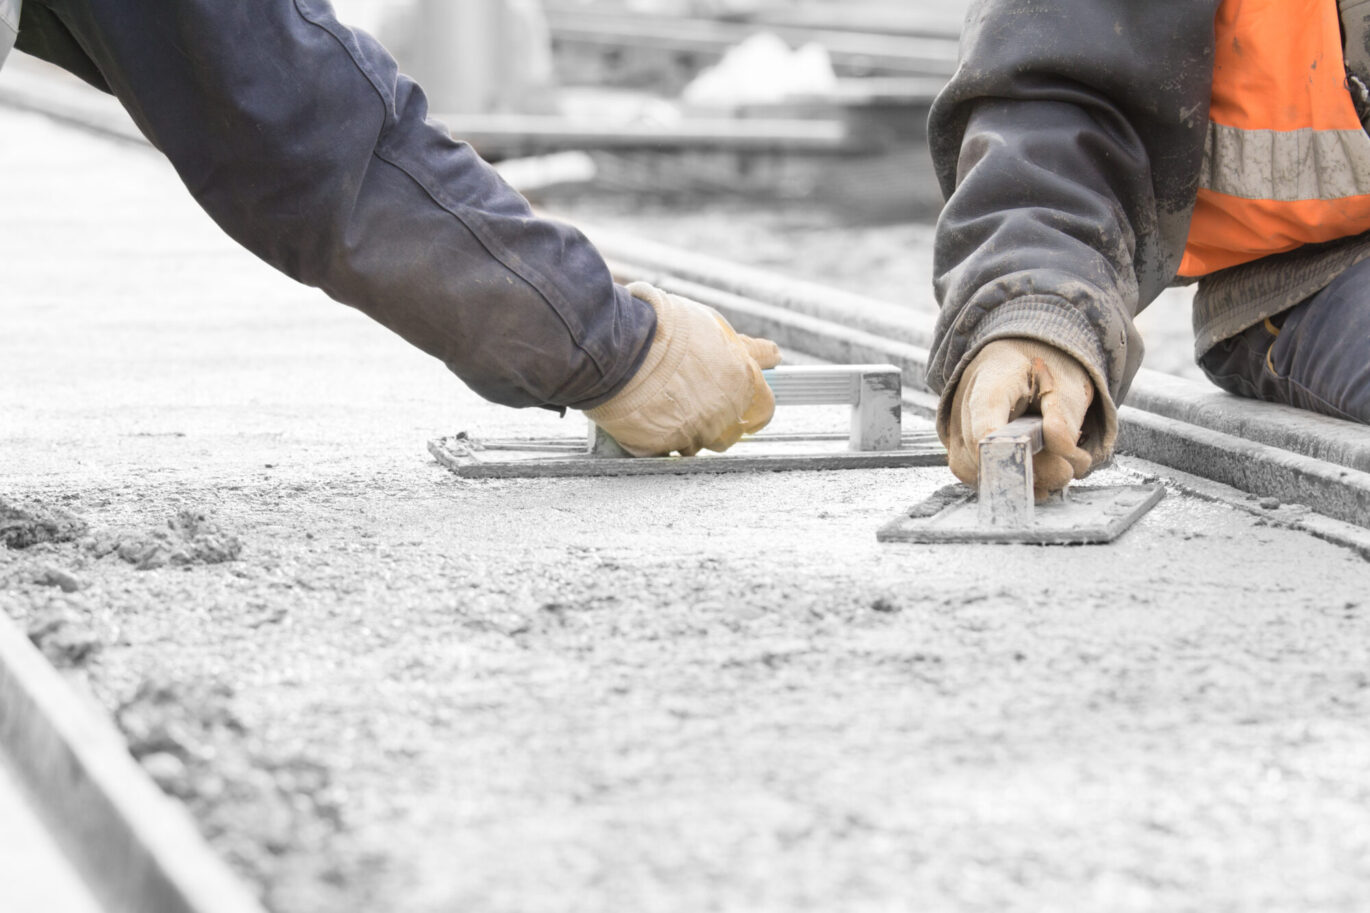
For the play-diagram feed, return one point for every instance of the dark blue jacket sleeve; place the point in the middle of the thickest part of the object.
(303, 141)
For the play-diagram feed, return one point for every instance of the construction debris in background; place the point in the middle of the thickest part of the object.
(763, 70)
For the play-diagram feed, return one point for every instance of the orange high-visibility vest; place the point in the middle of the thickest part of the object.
(1287, 161)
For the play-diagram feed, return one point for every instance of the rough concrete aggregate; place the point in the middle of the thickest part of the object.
(670, 714)
(189, 537)
(61, 628)
(410, 692)
(27, 526)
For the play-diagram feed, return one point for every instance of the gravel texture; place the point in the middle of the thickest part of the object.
(378, 687)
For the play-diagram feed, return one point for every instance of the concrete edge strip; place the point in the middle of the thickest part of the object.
(1196, 403)
(531, 133)
(1327, 488)
(805, 333)
(1287, 516)
(138, 850)
(811, 299)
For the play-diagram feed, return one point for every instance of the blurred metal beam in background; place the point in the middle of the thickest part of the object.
(478, 56)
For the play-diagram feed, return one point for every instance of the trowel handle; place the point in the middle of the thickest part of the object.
(1005, 483)
(872, 391)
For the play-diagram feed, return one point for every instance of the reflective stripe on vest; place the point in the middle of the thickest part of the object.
(1287, 161)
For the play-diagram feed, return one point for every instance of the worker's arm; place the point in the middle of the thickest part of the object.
(301, 138)
(1069, 143)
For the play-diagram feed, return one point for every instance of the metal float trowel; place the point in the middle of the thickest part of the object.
(876, 438)
(1002, 507)
(1003, 510)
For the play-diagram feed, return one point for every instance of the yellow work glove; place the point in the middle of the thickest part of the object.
(1010, 377)
(699, 387)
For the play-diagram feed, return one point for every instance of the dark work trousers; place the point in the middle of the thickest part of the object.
(1315, 356)
(303, 142)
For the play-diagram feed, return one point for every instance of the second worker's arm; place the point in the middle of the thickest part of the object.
(1069, 144)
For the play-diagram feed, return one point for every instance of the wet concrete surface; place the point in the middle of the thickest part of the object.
(411, 692)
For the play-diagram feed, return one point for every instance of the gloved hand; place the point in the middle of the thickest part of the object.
(1006, 379)
(699, 387)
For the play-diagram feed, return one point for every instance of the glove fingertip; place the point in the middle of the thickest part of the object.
(1051, 472)
(763, 351)
(1061, 436)
(969, 478)
(962, 465)
(1081, 461)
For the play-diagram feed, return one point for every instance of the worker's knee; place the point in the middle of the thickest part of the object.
(1312, 356)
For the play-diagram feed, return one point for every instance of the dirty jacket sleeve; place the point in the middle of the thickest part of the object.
(1068, 144)
(303, 140)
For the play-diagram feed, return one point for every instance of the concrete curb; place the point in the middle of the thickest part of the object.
(1332, 490)
(1287, 516)
(653, 262)
(755, 316)
(137, 849)
(1284, 427)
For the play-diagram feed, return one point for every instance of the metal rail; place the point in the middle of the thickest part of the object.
(909, 19)
(914, 20)
(853, 53)
(505, 135)
(857, 116)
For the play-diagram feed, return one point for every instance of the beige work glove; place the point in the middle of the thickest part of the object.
(699, 387)
(1008, 378)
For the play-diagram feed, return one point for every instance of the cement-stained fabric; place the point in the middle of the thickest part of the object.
(1286, 165)
(9, 26)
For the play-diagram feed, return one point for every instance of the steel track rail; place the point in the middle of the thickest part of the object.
(927, 22)
(851, 52)
(503, 135)
(851, 16)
